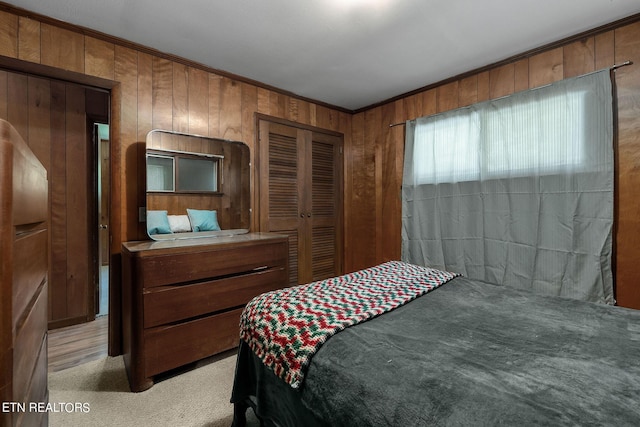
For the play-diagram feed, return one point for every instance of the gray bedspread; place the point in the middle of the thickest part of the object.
(465, 354)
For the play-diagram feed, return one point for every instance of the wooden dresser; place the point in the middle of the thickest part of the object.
(24, 251)
(182, 299)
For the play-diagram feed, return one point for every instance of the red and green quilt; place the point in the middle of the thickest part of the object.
(286, 327)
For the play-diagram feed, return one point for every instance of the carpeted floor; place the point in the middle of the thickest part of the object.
(100, 394)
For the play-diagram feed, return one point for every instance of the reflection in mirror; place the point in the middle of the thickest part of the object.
(197, 174)
(160, 175)
(196, 186)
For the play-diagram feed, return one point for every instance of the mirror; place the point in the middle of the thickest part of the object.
(196, 186)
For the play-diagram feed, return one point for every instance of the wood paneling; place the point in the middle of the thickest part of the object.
(447, 96)
(29, 41)
(70, 202)
(231, 114)
(604, 50)
(502, 81)
(136, 162)
(61, 48)
(78, 203)
(162, 94)
(579, 57)
(198, 100)
(389, 205)
(180, 98)
(4, 93)
(468, 91)
(58, 205)
(546, 67)
(8, 34)
(483, 86)
(627, 47)
(521, 75)
(99, 58)
(126, 72)
(362, 211)
(17, 110)
(39, 119)
(214, 104)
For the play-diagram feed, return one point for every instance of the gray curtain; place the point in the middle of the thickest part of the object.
(517, 191)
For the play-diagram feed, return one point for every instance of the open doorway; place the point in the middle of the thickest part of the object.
(101, 142)
(85, 341)
(56, 118)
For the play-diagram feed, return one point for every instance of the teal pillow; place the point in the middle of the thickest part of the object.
(202, 220)
(158, 222)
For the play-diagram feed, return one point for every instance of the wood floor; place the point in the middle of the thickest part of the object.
(77, 344)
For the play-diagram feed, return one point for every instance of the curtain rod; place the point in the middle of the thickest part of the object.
(613, 68)
(616, 66)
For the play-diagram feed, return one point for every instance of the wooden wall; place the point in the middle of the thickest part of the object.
(151, 90)
(374, 171)
(156, 93)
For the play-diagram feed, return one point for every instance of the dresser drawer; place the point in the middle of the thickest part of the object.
(29, 269)
(29, 341)
(168, 304)
(168, 347)
(182, 300)
(196, 265)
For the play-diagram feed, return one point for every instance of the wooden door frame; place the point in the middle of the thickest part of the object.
(256, 173)
(93, 217)
(94, 238)
(115, 264)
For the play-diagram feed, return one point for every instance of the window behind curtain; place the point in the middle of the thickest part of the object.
(540, 134)
(518, 190)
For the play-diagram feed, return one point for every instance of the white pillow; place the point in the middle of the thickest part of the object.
(179, 223)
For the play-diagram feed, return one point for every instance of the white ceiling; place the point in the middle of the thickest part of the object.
(347, 53)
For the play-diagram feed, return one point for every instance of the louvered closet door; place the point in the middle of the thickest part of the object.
(325, 206)
(300, 177)
(281, 181)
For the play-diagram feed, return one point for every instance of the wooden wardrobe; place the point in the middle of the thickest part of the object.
(23, 280)
(300, 195)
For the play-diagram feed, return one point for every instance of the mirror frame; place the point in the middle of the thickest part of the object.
(231, 201)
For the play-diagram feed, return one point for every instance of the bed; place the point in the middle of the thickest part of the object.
(462, 353)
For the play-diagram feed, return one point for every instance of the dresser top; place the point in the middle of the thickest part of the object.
(197, 243)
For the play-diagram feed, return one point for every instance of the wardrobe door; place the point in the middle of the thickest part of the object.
(324, 219)
(281, 184)
(300, 185)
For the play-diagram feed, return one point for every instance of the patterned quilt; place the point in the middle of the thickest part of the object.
(286, 327)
